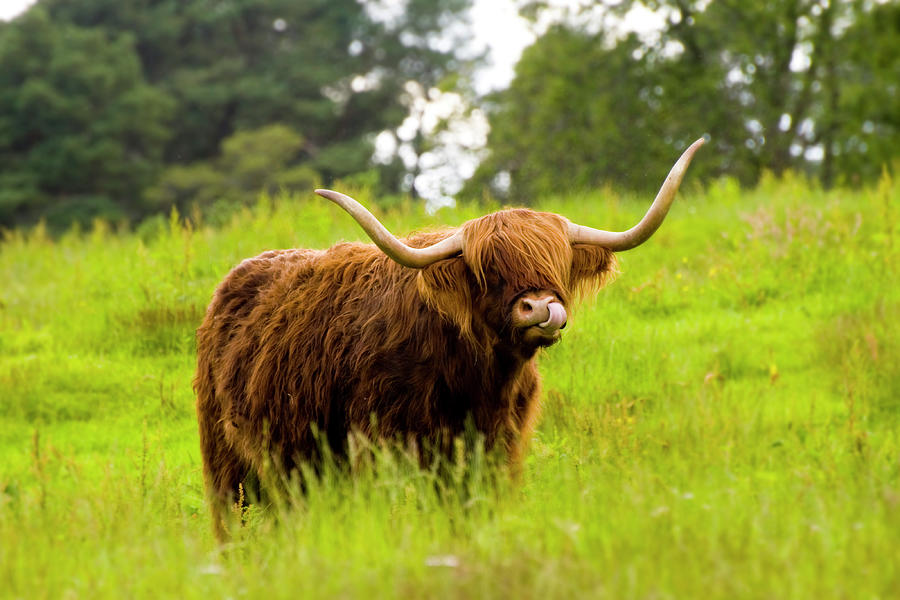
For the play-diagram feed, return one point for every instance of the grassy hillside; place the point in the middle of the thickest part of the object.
(720, 422)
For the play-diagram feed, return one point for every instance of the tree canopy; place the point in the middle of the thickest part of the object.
(165, 83)
(806, 85)
(80, 130)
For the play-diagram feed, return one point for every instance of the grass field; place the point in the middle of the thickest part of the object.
(723, 421)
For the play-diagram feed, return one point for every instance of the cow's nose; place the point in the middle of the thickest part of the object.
(528, 305)
(541, 309)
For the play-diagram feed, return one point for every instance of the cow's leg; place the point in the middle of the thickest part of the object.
(223, 471)
(526, 415)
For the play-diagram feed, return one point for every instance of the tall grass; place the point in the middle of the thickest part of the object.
(721, 421)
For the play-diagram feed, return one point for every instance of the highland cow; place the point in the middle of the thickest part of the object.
(409, 340)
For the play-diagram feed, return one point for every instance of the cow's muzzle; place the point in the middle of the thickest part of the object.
(541, 312)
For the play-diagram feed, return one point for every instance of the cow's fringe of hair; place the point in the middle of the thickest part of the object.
(527, 253)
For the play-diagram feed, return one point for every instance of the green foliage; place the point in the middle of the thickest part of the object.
(803, 86)
(720, 422)
(866, 120)
(328, 69)
(81, 133)
(98, 96)
(556, 128)
(251, 162)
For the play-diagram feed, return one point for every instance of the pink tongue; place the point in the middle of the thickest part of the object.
(557, 317)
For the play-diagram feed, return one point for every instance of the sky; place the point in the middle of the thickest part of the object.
(504, 43)
(10, 8)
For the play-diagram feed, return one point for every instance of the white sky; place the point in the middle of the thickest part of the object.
(497, 24)
(10, 8)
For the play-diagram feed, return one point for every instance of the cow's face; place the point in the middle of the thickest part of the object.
(520, 263)
(513, 282)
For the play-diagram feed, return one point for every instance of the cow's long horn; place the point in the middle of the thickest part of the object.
(407, 256)
(640, 233)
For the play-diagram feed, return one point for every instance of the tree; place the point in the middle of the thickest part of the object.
(860, 119)
(81, 133)
(808, 85)
(250, 162)
(810, 81)
(577, 116)
(332, 70)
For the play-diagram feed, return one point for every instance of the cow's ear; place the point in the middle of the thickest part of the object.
(592, 268)
(445, 286)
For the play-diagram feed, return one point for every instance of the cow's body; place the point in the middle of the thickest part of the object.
(301, 347)
(410, 342)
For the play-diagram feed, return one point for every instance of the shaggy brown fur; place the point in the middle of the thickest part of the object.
(345, 340)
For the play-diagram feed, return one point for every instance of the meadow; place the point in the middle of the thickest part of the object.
(722, 421)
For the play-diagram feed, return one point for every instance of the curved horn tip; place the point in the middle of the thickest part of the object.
(681, 165)
(699, 142)
(693, 147)
(340, 199)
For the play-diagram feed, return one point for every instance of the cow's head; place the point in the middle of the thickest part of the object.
(509, 275)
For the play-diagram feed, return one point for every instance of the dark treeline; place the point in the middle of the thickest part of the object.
(120, 109)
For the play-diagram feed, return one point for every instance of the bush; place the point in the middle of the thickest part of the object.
(251, 162)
